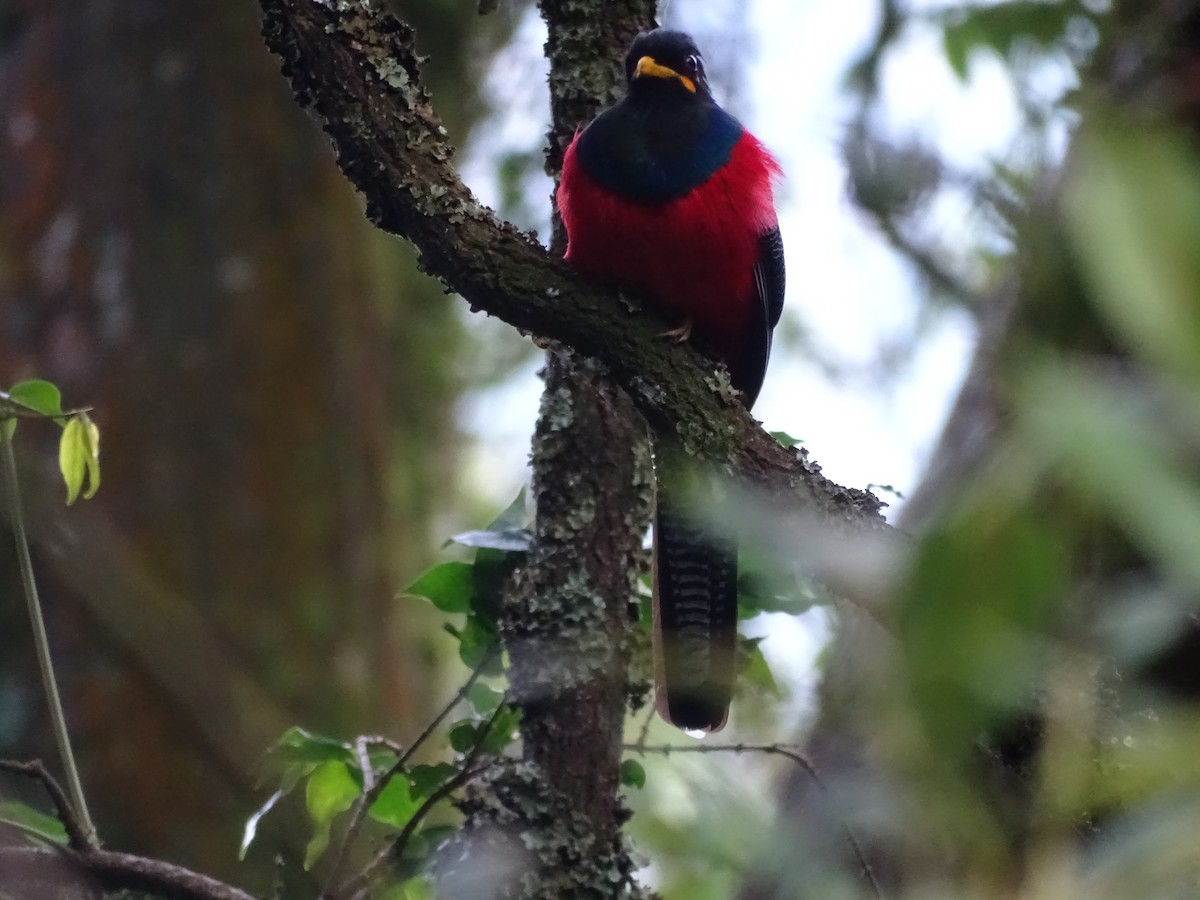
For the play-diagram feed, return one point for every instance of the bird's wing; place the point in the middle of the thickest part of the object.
(769, 283)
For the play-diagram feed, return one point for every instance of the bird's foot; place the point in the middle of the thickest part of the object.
(680, 334)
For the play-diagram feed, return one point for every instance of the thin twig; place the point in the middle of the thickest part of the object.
(10, 409)
(373, 787)
(445, 711)
(78, 838)
(792, 753)
(380, 741)
(645, 731)
(357, 885)
(364, 764)
(40, 640)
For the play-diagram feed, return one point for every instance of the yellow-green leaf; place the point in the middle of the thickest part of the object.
(79, 457)
(31, 821)
(92, 459)
(331, 790)
(395, 804)
(71, 451)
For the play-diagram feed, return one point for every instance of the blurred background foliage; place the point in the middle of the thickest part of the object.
(1007, 701)
(276, 384)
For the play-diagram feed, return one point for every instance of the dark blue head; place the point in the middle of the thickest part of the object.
(664, 60)
(667, 135)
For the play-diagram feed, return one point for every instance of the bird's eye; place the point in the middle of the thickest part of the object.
(693, 64)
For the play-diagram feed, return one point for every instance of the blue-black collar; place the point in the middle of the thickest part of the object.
(653, 152)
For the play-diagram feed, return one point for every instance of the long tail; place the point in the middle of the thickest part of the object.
(695, 614)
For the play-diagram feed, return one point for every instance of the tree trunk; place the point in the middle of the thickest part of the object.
(568, 616)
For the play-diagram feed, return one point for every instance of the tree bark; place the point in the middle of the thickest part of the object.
(568, 613)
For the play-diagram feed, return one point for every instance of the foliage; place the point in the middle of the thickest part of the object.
(32, 822)
(79, 459)
(79, 445)
(375, 780)
(1010, 28)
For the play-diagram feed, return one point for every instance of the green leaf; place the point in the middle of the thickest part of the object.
(972, 622)
(299, 752)
(1002, 28)
(251, 829)
(79, 457)
(381, 758)
(424, 780)
(448, 586)
(395, 804)
(755, 669)
(493, 566)
(32, 821)
(957, 44)
(785, 439)
(392, 890)
(503, 730)
(464, 736)
(331, 789)
(767, 583)
(762, 591)
(1092, 427)
(1133, 207)
(92, 458)
(413, 889)
(38, 395)
(633, 774)
(876, 488)
(492, 570)
(513, 517)
(72, 448)
(478, 644)
(484, 698)
(416, 854)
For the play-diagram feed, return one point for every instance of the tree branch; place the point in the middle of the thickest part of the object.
(79, 837)
(83, 857)
(356, 68)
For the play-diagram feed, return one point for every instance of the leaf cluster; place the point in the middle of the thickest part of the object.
(79, 444)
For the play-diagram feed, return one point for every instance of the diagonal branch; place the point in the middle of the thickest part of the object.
(355, 66)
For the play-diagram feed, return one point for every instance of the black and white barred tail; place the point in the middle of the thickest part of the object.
(695, 615)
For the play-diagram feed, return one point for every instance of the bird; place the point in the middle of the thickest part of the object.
(667, 196)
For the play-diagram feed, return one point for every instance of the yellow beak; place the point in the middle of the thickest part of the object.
(647, 66)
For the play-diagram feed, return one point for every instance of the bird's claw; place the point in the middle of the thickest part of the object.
(680, 334)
